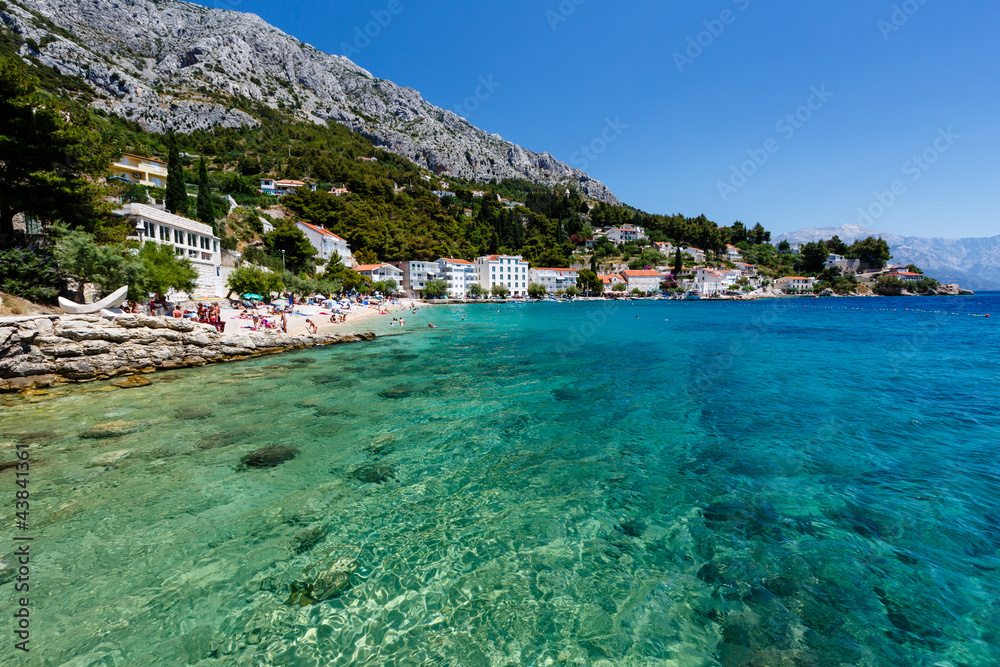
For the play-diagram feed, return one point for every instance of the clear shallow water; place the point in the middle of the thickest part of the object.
(643, 484)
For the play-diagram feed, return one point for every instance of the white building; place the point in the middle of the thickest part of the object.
(269, 186)
(733, 253)
(416, 275)
(697, 254)
(842, 263)
(664, 248)
(625, 233)
(457, 274)
(327, 243)
(189, 238)
(795, 284)
(610, 281)
(554, 280)
(905, 276)
(508, 270)
(380, 272)
(644, 281)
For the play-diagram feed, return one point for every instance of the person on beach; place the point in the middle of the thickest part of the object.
(311, 327)
(255, 316)
(178, 313)
(284, 322)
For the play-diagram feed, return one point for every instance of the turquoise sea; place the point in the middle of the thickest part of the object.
(801, 482)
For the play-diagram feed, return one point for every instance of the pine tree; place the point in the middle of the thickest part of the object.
(177, 199)
(678, 263)
(206, 211)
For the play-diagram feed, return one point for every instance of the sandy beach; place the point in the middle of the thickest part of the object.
(235, 323)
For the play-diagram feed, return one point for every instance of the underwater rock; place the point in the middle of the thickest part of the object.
(633, 527)
(131, 382)
(109, 459)
(193, 413)
(306, 539)
(303, 360)
(328, 578)
(374, 474)
(268, 457)
(111, 429)
(381, 447)
(4, 465)
(396, 393)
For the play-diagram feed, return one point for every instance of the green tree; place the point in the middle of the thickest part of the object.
(254, 280)
(176, 198)
(678, 263)
(84, 260)
(871, 251)
(298, 252)
(500, 291)
(813, 256)
(30, 274)
(475, 290)
(435, 289)
(784, 246)
(572, 291)
(51, 157)
(385, 286)
(536, 291)
(589, 282)
(165, 271)
(206, 209)
(618, 287)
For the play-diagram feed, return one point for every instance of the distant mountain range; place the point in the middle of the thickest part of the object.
(174, 65)
(974, 263)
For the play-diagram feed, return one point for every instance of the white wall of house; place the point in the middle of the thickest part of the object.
(458, 275)
(553, 280)
(508, 270)
(190, 239)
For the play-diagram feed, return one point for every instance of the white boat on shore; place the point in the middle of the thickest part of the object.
(692, 295)
(113, 300)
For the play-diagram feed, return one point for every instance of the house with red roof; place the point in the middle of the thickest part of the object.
(458, 275)
(511, 271)
(553, 280)
(327, 243)
(646, 281)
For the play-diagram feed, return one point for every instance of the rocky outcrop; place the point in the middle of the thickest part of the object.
(174, 65)
(52, 350)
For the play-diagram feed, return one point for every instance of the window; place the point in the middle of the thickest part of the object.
(178, 236)
(179, 251)
(192, 240)
(164, 233)
(215, 246)
(193, 253)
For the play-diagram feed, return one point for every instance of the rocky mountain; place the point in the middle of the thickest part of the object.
(974, 263)
(174, 65)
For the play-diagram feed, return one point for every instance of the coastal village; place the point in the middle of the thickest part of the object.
(705, 275)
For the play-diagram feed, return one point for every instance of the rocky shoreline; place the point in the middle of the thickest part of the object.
(49, 350)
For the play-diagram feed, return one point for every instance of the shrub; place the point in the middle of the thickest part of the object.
(31, 274)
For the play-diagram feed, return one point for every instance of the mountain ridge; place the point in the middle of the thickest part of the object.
(172, 65)
(972, 262)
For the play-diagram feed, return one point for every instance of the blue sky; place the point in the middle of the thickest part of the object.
(696, 98)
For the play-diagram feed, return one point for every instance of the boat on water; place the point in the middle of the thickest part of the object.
(692, 295)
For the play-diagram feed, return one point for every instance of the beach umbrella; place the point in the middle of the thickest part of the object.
(256, 297)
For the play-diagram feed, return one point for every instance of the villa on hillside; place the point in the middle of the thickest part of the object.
(327, 243)
(626, 233)
(141, 170)
(554, 280)
(733, 253)
(905, 276)
(190, 239)
(697, 254)
(269, 186)
(664, 248)
(842, 263)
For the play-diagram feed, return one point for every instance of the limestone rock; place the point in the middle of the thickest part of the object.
(175, 49)
(268, 457)
(131, 382)
(827, 292)
(109, 459)
(328, 578)
(111, 429)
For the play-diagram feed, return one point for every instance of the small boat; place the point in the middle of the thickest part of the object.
(113, 300)
(692, 296)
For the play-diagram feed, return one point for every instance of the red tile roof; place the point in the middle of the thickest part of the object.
(370, 267)
(456, 261)
(321, 230)
(641, 274)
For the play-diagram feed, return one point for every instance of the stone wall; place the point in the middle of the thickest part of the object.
(43, 351)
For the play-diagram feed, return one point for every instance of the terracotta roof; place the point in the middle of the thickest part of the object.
(139, 157)
(539, 268)
(641, 274)
(905, 273)
(794, 278)
(324, 232)
(455, 261)
(361, 268)
(288, 182)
